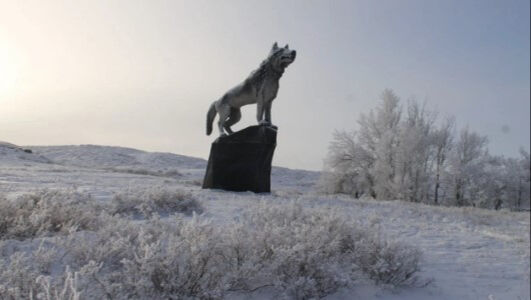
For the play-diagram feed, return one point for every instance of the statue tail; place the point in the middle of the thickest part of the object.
(210, 117)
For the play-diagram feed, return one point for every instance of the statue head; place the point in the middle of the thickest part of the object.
(281, 58)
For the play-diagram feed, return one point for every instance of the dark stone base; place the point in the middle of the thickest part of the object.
(242, 160)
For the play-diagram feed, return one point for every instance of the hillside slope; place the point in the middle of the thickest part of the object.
(469, 253)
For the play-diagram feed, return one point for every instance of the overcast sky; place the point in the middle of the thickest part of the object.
(142, 74)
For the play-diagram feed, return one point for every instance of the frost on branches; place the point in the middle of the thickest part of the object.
(408, 155)
(293, 251)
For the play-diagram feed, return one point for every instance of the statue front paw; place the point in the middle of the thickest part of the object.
(267, 123)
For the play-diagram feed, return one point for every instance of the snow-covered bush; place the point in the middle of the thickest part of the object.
(53, 291)
(156, 200)
(45, 212)
(186, 262)
(301, 253)
(157, 259)
(17, 277)
(26, 274)
(313, 252)
(388, 262)
(298, 252)
(19, 281)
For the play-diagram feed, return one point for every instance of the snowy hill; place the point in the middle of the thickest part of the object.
(13, 154)
(93, 156)
(468, 253)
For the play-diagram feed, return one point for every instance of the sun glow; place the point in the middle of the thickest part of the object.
(8, 68)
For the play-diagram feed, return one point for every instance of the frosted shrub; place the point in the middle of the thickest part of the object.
(17, 277)
(68, 291)
(387, 262)
(298, 252)
(46, 212)
(155, 259)
(302, 253)
(301, 249)
(185, 263)
(314, 252)
(156, 200)
(72, 285)
(114, 241)
(19, 281)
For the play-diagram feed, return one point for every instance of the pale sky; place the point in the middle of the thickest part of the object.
(142, 74)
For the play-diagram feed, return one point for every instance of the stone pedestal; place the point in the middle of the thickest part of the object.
(242, 160)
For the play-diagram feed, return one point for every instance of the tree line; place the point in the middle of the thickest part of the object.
(406, 153)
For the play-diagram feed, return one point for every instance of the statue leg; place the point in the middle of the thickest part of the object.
(259, 112)
(267, 108)
(235, 116)
(224, 113)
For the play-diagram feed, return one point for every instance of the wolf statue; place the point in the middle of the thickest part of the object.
(260, 87)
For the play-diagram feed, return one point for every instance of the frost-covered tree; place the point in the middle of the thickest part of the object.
(349, 166)
(414, 154)
(466, 166)
(378, 135)
(442, 142)
(523, 198)
(491, 183)
(504, 183)
(518, 181)
(410, 156)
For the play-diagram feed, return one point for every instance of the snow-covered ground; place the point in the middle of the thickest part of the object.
(468, 253)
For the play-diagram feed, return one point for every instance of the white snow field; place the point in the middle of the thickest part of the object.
(467, 253)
